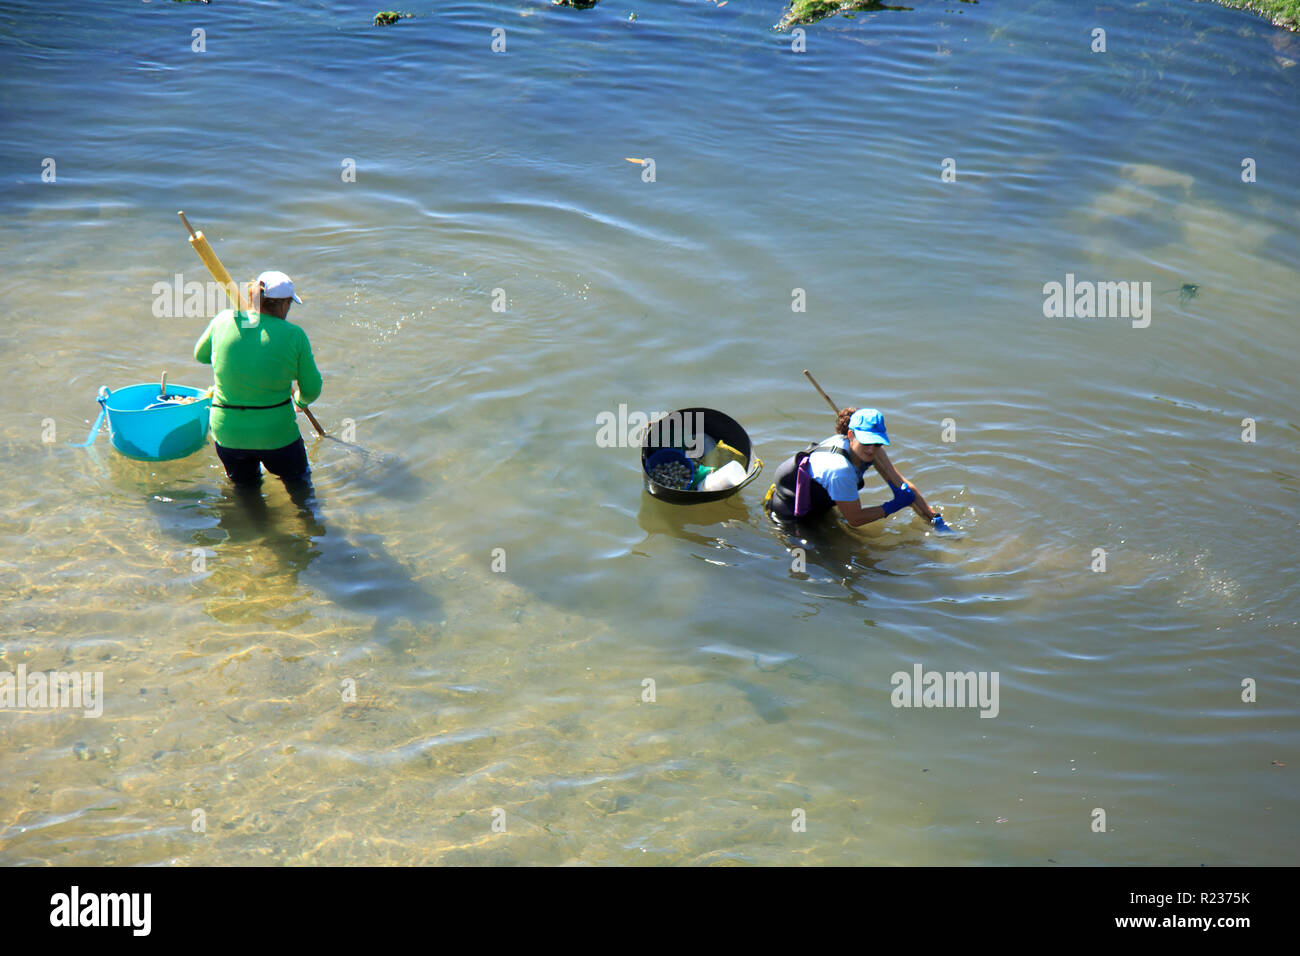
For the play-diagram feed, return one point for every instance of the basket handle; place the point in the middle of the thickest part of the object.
(102, 398)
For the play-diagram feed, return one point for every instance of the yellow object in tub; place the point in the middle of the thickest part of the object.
(722, 454)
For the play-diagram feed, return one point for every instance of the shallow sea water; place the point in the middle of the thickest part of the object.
(522, 691)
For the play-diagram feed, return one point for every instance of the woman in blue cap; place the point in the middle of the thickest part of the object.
(831, 473)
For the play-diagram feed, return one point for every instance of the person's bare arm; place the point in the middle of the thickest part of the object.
(856, 515)
(892, 477)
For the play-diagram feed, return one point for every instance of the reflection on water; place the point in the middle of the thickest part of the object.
(659, 517)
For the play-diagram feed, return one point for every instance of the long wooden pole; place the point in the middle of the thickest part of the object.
(204, 251)
(833, 406)
(219, 273)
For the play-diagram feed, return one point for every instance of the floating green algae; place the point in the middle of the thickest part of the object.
(1281, 13)
(811, 11)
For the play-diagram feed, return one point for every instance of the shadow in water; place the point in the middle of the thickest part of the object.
(245, 518)
(769, 706)
(383, 475)
(358, 574)
(266, 555)
(827, 546)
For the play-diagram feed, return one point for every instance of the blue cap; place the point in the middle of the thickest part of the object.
(868, 427)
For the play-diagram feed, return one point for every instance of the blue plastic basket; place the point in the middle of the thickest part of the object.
(161, 433)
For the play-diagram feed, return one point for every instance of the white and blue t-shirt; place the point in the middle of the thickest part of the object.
(834, 472)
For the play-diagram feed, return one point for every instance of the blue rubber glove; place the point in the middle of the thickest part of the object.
(903, 496)
(940, 524)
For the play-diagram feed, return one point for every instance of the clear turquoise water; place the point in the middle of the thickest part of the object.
(522, 690)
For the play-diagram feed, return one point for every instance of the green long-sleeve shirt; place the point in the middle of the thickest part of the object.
(255, 360)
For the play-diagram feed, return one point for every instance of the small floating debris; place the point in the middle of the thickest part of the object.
(386, 17)
(1186, 292)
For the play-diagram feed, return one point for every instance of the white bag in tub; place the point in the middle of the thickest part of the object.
(728, 476)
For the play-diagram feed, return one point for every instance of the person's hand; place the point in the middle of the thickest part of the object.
(297, 399)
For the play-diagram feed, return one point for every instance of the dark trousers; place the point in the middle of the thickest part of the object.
(244, 465)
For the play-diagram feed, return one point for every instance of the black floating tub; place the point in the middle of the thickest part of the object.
(667, 431)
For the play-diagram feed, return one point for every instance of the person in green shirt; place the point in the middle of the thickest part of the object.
(256, 356)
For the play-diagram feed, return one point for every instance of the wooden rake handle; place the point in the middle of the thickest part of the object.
(834, 407)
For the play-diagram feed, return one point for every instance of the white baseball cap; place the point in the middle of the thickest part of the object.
(278, 286)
